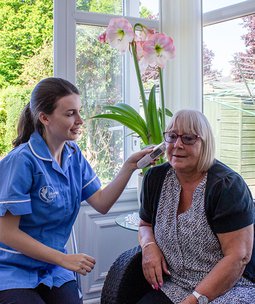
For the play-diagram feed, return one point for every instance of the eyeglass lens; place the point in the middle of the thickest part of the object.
(187, 139)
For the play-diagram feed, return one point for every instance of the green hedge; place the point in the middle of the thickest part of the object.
(12, 101)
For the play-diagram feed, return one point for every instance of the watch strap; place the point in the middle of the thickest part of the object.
(201, 299)
(196, 294)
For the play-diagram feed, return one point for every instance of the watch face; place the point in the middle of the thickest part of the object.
(203, 300)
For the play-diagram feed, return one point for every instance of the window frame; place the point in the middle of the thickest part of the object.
(66, 17)
(228, 13)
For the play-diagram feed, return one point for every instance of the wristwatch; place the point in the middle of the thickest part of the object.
(201, 299)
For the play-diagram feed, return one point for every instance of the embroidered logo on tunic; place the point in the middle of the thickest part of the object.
(47, 194)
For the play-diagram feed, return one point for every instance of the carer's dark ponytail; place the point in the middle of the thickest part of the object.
(25, 126)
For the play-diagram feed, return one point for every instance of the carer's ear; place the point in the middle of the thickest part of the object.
(43, 118)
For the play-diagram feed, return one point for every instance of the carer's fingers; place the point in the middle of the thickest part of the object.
(87, 261)
(86, 264)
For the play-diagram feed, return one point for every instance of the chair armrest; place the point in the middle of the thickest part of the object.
(125, 282)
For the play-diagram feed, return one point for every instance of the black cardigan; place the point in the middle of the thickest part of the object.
(228, 202)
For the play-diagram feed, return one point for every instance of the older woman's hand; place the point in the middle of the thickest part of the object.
(154, 265)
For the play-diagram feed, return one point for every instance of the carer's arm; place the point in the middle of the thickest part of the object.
(12, 236)
(103, 199)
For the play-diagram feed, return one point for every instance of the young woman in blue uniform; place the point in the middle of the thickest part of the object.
(44, 179)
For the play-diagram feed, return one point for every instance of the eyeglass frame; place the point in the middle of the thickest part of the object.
(180, 135)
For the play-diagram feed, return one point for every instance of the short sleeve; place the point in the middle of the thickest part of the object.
(150, 192)
(15, 185)
(232, 206)
(90, 181)
(146, 210)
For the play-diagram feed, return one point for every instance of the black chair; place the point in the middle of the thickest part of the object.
(125, 282)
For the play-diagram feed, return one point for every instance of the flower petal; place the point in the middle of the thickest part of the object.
(158, 49)
(119, 34)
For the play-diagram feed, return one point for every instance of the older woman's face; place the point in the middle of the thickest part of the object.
(183, 158)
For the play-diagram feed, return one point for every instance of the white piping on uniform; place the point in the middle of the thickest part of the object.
(11, 251)
(14, 202)
(48, 159)
(89, 182)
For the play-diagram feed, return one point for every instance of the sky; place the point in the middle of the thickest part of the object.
(224, 39)
(209, 5)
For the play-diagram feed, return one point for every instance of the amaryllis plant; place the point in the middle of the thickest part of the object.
(149, 49)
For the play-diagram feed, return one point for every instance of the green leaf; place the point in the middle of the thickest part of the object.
(153, 119)
(128, 111)
(168, 112)
(128, 122)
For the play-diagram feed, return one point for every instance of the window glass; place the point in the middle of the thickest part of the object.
(149, 9)
(209, 5)
(229, 92)
(143, 8)
(99, 79)
(100, 6)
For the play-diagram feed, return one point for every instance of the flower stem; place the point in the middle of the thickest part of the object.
(139, 79)
(163, 111)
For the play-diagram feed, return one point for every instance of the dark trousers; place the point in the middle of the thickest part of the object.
(66, 294)
(155, 296)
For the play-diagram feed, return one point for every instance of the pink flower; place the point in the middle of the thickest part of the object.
(144, 34)
(119, 34)
(102, 37)
(158, 49)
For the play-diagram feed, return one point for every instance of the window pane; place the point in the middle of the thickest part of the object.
(143, 8)
(99, 70)
(209, 5)
(100, 6)
(149, 9)
(229, 87)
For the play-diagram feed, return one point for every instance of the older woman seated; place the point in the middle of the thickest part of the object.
(197, 222)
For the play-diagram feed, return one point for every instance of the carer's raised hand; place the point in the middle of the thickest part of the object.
(131, 162)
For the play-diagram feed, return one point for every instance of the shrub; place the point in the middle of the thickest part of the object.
(13, 99)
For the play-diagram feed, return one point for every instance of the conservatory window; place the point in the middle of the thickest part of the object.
(229, 86)
(143, 8)
(103, 76)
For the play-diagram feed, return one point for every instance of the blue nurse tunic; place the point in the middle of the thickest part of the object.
(47, 197)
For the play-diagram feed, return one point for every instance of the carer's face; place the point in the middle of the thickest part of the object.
(65, 122)
(183, 158)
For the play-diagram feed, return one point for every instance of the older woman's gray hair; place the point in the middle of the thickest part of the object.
(195, 122)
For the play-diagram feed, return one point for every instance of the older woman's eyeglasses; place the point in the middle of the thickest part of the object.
(187, 139)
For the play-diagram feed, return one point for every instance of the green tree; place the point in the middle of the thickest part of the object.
(24, 27)
(209, 73)
(3, 116)
(99, 81)
(244, 62)
(39, 66)
(100, 6)
(13, 100)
